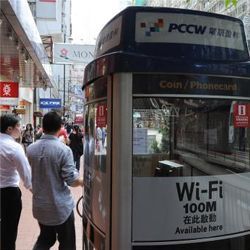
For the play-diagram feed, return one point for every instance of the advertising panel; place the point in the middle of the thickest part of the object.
(241, 115)
(101, 115)
(196, 207)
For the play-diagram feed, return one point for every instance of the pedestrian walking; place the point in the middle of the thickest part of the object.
(38, 132)
(62, 135)
(14, 165)
(69, 128)
(53, 171)
(76, 145)
(27, 136)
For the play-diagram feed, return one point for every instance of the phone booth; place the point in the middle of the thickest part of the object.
(167, 138)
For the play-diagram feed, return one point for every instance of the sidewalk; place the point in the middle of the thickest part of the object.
(28, 229)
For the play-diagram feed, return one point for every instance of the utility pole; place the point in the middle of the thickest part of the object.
(64, 81)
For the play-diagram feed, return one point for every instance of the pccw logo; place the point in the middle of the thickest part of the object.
(152, 27)
(158, 25)
(187, 28)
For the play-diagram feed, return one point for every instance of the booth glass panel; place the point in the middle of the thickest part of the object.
(191, 172)
(189, 137)
(96, 198)
(95, 164)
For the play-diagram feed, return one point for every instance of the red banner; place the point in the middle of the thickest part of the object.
(9, 89)
(4, 107)
(241, 115)
(79, 119)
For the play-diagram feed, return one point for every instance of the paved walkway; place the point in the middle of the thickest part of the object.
(28, 229)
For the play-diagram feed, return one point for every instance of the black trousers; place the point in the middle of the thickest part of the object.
(77, 163)
(11, 207)
(76, 159)
(65, 233)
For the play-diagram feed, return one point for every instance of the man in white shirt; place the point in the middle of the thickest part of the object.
(13, 165)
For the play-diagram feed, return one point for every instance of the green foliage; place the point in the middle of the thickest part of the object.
(155, 147)
(235, 2)
(227, 2)
(165, 139)
(164, 144)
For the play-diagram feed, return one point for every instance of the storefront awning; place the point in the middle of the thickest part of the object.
(21, 46)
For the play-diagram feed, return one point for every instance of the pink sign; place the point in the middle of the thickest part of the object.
(101, 115)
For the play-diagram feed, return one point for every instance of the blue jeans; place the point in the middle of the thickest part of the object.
(65, 233)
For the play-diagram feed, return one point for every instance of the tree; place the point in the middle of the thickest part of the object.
(234, 2)
(227, 2)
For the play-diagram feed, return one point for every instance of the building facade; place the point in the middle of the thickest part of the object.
(53, 20)
(24, 64)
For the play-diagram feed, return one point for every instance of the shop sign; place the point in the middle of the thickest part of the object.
(19, 111)
(241, 115)
(50, 103)
(67, 53)
(101, 116)
(4, 107)
(38, 114)
(9, 92)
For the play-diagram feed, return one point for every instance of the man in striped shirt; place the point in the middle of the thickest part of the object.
(53, 171)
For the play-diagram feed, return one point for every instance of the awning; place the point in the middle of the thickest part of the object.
(25, 39)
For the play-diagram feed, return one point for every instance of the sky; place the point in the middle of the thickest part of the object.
(90, 16)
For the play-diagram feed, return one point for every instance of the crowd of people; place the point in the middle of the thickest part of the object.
(38, 156)
(70, 134)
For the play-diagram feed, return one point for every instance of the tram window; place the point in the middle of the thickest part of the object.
(188, 137)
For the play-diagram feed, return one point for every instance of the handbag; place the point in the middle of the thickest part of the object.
(23, 139)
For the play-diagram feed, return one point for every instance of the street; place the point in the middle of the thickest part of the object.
(28, 229)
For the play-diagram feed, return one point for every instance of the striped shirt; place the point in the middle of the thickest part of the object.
(53, 171)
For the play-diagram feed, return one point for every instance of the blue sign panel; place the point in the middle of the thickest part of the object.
(50, 103)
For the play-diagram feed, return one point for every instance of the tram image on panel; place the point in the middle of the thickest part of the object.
(167, 133)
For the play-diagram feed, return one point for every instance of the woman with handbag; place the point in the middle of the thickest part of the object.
(27, 136)
(76, 145)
